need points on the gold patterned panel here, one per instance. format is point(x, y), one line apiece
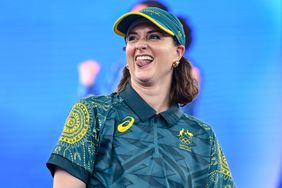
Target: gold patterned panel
point(77, 124)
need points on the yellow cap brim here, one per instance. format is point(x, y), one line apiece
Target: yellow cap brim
point(123, 23)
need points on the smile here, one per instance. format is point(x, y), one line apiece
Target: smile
point(143, 60)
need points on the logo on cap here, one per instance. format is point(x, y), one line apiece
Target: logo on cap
point(151, 11)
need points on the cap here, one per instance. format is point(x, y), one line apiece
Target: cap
point(161, 18)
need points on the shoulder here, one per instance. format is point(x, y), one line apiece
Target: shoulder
point(100, 107)
point(101, 101)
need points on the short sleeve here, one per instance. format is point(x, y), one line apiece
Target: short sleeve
point(219, 172)
point(75, 150)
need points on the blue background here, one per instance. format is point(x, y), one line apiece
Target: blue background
point(237, 45)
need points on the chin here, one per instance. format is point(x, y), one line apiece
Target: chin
point(143, 79)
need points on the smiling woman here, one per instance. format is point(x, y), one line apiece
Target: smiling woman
point(150, 55)
point(138, 136)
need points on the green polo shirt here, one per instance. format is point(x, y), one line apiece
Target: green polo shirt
point(118, 140)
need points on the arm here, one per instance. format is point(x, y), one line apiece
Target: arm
point(62, 179)
point(219, 172)
point(75, 152)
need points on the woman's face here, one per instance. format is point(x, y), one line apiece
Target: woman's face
point(150, 53)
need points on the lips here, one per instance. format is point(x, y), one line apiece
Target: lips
point(143, 60)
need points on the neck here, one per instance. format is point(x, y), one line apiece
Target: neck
point(156, 96)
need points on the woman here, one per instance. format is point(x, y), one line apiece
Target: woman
point(138, 136)
point(89, 70)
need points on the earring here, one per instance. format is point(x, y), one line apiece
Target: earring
point(175, 64)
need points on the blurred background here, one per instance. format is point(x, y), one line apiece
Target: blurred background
point(236, 45)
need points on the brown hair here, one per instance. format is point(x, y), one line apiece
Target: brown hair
point(184, 88)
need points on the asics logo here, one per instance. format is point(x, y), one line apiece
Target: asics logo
point(126, 124)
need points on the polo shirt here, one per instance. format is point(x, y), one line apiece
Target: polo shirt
point(118, 140)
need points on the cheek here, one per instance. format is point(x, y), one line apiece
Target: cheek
point(167, 54)
point(129, 53)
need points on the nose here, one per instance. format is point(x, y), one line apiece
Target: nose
point(141, 45)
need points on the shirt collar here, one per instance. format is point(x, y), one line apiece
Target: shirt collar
point(172, 115)
point(145, 111)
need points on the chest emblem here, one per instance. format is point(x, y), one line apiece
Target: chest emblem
point(126, 124)
point(185, 138)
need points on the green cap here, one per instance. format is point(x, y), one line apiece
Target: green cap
point(161, 18)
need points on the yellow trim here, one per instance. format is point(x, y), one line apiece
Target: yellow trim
point(143, 15)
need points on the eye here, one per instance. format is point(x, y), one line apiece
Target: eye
point(131, 38)
point(154, 37)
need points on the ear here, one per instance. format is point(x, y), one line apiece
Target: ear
point(180, 50)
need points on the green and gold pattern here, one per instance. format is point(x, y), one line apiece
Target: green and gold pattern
point(219, 171)
point(143, 153)
point(224, 169)
point(77, 124)
point(80, 137)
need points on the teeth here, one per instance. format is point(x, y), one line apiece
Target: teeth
point(144, 58)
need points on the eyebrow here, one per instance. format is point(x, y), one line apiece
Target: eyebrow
point(149, 32)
